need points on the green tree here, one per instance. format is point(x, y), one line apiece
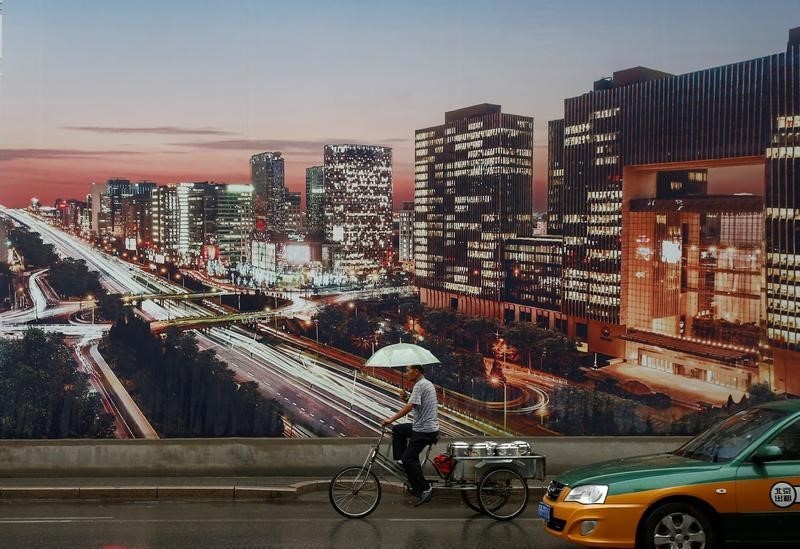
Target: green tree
point(42, 393)
point(186, 392)
point(481, 330)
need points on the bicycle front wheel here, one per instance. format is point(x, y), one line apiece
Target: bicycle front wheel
point(355, 492)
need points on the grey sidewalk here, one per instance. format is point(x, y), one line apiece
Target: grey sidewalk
point(179, 488)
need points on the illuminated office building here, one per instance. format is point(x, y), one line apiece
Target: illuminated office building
point(315, 201)
point(269, 192)
point(472, 190)
point(555, 176)
point(693, 286)
point(294, 215)
point(532, 268)
point(645, 134)
point(231, 219)
point(405, 235)
point(180, 221)
point(358, 203)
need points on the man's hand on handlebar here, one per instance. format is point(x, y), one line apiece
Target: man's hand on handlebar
point(386, 422)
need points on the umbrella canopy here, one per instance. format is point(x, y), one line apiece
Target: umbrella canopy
point(401, 354)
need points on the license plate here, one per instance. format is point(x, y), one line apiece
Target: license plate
point(545, 512)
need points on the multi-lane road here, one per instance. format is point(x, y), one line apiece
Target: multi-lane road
point(319, 396)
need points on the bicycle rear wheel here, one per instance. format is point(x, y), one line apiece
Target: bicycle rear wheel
point(355, 492)
point(502, 493)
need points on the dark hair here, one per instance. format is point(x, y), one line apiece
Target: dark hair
point(417, 367)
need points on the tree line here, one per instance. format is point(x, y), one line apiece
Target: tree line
point(183, 391)
point(42, 393)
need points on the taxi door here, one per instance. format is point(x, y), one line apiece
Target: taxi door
point(768, 493)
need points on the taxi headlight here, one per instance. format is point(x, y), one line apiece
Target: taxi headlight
point(588, 494)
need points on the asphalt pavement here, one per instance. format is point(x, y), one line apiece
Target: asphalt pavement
point(308, 521)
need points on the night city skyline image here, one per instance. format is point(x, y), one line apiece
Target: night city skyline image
point(214, 214)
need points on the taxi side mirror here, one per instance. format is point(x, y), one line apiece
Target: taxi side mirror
point(768, 453)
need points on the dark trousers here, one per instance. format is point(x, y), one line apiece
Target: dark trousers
point(407, 446)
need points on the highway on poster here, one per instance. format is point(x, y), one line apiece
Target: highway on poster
point(319, 396)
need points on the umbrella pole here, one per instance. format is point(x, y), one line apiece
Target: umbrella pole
point(353, 395)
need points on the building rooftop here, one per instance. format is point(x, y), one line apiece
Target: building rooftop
point(471, 112)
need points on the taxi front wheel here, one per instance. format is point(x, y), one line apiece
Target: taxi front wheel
point(678, 525)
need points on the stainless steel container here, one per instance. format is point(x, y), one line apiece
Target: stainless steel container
point(479, 449)
point(507, 449)
point(490, 446)
point(458, 449)
point(523, 447)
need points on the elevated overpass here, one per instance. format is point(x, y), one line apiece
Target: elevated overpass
point(192, 322)
point(184, 296)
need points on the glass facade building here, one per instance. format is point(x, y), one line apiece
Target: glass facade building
point(232, 216)
point(358, 203)
point(315, 200)
point(473, 183)
point(533, 275)
point(618, 137)
point(269, 196)
point(405, 235)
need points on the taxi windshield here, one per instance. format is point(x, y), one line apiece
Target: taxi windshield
point(725, 440)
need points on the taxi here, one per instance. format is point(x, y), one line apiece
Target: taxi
point(739, 481)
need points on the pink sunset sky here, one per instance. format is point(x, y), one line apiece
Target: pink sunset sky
point(188, 91)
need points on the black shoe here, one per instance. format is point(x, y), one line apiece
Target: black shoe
point(425, 497)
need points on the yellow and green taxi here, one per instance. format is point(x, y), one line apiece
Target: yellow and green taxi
point(737, 482)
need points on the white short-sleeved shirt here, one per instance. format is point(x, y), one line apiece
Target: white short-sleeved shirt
point(423, 398)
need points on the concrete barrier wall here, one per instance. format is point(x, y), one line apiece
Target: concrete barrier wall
point(268, 457)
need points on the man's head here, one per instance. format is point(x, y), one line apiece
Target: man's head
point(414, 372)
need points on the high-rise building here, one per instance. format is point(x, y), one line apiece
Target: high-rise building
point(179, 217)
point(269, 192)
point(555, 176)
point(118, 190)
point(405, 240)
point(533, 280)
point(645, 134)
point(294, 215)
point(315, 200)
point(101, 215)
point(232, 222)
point(358, 203)
point(137, 218)
point(473, 188)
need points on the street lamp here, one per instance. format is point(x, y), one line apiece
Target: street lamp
point(179, 277)
point(495, 381)
point(91, 298)
point(354, 306)
point(316, 325)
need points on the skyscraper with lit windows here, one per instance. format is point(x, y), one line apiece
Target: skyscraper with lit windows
point(358, 204)
point(473, 186)
point(269, 192)
point(642, 142)
point(315, 200)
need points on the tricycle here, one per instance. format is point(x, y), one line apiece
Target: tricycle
point(492, 478)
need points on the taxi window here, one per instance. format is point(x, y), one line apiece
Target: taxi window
point(725, 440)
point(788, 441)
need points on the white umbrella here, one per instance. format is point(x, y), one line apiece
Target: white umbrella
point(399, 354)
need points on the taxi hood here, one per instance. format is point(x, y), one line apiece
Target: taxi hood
point(641, 472)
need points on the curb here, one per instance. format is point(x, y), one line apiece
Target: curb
point(162, 493)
